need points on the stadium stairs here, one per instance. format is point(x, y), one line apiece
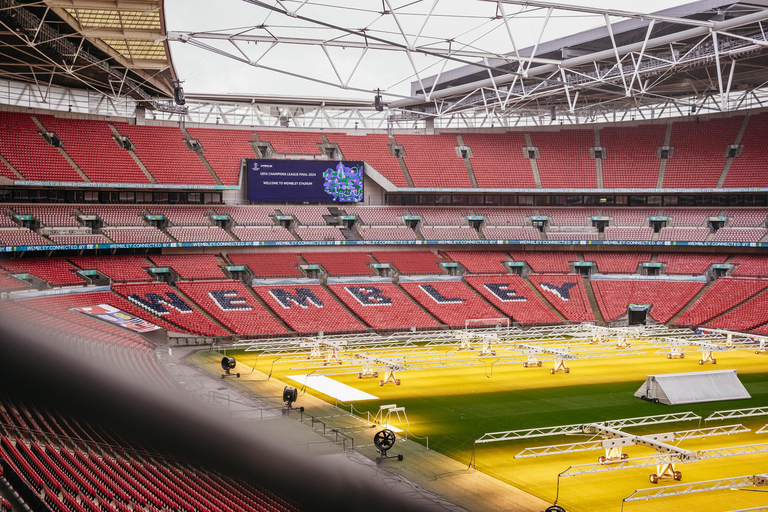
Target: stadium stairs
point(197, 148)
point(690, 303)
point(592, 300)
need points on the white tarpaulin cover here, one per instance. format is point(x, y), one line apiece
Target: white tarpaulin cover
point(693, 387)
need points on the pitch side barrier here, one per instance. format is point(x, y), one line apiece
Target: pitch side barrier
point(330, 243)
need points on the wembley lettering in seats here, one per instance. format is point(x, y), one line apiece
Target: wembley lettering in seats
point(369, 295)
point(563, 291)
point(157, 304)
point(503, 293)
point(228, 300)
point(438, 297)
point(303, 297)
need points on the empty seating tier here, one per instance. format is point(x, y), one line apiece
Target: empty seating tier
point(121, 269)
point(432, 161)
point(504, 216)
point(639, 234)
point(683, 234)
point(749, 168)
point(308, 309)
point(617, 262)
point(192, 235)
point(158, 300)
point(386, 233)
point(748, 265)
point(224, 150)
point(191, 266)
point(87, 239)
point(411, 262)
point(136, 235)
point(499, 160)
point(665, 297)
point(746, 235)
point(377, 215)
point(248, 215)
point(569, 216)
point(293, 143)
point(55, 271)
point(564, 160)
point(749, 315)
point(510, 233)
point(572, 235)
point(383, 306)
point(273, 234)
point(117, 215)
point(566, 293)
point(438, 216)
point(341, 263)
point(480, 262)
point(269, 264)
point(21, 237)
point(541, 262)
point(307, 215)
point(319, 233)
point(50, 214)
point(630, 216)
point(689, 263)
point(721, 296)
point(512, 295)
point(232, 304)
point(631, 159)
point(450, 233)
point(747, 217)
point(372, 148)
point(453, 303)
point(183, 215)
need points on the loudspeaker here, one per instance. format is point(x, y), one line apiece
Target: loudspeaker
point(178, 95)
point(377, 103)
point(553, 112)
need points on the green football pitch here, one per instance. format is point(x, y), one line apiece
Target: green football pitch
point(455, 406)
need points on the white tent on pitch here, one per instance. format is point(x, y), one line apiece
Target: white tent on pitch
point(693, 387)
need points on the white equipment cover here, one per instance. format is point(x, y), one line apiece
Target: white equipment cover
point(693, 387)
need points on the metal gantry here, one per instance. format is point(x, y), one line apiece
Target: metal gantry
point(748, 481)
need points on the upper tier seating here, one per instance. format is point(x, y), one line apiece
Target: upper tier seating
point(23, 146)
point(449, 233)
point(232, 304)
point(158, 300)
point(699, 152)
point(191, 266)
point(6, 221)
point(293, 142)
point(564, 158)
point(631, 159)
point(747, 217)
point(386, 233)
point(377, 215)
point(432, 161)
point(90, 144)
point(274, 234)
point(308, 309)
point(269, 264)
point(544, 262)
point(749, 168)
point(439, 216)
point(319, 233)
point(504, 216)
point(617, 262)
point(21, 237)
point(480, 262)
point(248, 215)
point(690, 217)
point(121, 269)
point(211, 234)
point(453, 302)
point(411, 262)
point(749, 315)
point(183, 215)
point(498, 160)
point(383, 306)
point(374, 149)
point(50, 214)
point(666, 297)
point(136, 235)
point(683, 234)
point(569, 216)
point(116, 215)
point(722, 295)
point(566, 293)
point(739, 235)
point(224, 150)
point(163, 151)
point(749, 265)
point(511, 233)
point(511, 294)
point(341, 263)
point(55, 271)
point(630, 216)
point(628, 233)
point(689, 263)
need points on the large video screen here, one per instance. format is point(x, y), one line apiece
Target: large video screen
point(310, 181)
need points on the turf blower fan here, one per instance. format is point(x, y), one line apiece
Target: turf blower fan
point(384, 440)
point(227, 364)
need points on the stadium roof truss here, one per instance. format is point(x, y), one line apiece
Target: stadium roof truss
point(706, 57)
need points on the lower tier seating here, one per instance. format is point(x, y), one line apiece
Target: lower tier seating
point(121, 269)
point(341, 263)
point(269, 264)
point(749, 265)
point(383, 306)
point(748, 316)
point(55, 271)
point(665, 297)
point(541, 262)
point(617, 262)
point(411, 262)
point(566, 293)
point(453, 302)
point(480, 262)
point(721, 296)
point(689, 263)
point(512, 295)
point(191, 266)
point(308, 309)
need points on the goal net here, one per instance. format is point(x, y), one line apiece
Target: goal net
point(498, 324)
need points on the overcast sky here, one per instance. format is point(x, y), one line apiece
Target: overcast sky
point(469, 23)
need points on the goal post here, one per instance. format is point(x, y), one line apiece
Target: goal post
point(498, 324)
